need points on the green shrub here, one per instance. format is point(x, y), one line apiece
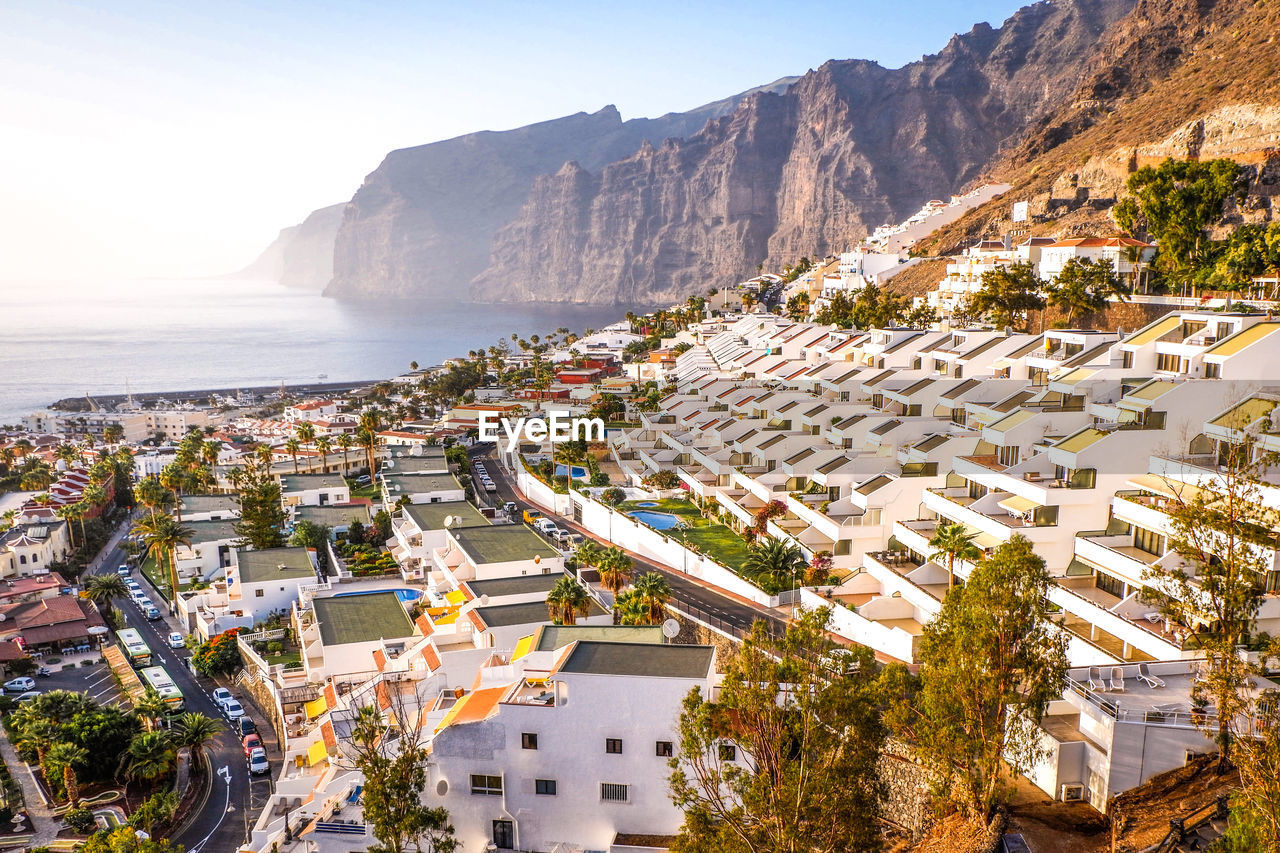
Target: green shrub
point(81, 821)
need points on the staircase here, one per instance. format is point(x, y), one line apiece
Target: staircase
point(1195, 832)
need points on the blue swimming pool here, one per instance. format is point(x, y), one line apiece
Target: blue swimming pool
point(656, 520)
point(579, 473)
point(647, 503)
point(405, 595)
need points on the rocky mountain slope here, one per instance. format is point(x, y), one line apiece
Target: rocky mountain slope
point(805, 171)
point(302, 254)
point(422, 223)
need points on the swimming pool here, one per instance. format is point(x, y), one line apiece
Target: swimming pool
point(579, 473)
point(656, 520)
point(405, 595)
point(648, 503)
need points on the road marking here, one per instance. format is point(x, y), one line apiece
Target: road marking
point(225, 773)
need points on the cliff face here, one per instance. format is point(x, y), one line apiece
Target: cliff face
point(302, 254)
point(805, 171)
point(422, 223)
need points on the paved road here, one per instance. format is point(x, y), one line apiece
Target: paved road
point(223, 821)
point(688, 594)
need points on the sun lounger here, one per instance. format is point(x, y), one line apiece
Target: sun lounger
point(1095, 679)
point(1145, 676)
point(1117, 679)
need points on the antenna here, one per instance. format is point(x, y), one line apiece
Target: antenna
point(671, 629)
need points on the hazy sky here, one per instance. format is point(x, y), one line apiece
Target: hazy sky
point(176, 139)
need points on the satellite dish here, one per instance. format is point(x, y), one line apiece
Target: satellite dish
point(484, 600)
point(442, 787)
point(448, 521)
point(671, 629)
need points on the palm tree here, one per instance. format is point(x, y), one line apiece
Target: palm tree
point(345, 442)
point(775, 561)
point(112, 433)
point(293, 446)
point(265, 455)
point(37, 735)
point(195, 731)
point(67, 453)
point(588, 553)
point(324, 444)
point(654, 593)
point(63, 756)
point(566, 601)
point(615, 569)
point(368, 439)
point(306, 433)
point(151, 494)
point(163, 534)
point(70, 513)
point(150, 707)
point(954, 543)
point(103, 589)
point(150, 756)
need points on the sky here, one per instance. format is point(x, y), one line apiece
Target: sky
point(162, 139)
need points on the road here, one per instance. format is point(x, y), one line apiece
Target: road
point(688, 594)
point(223, 820)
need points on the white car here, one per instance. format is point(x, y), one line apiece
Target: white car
point(221, 696)
point(258, 763)
point(145, 604)
point(176, 641)
point(18, 685)
point(233, 710)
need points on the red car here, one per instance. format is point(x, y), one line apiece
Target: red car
point(251, 742)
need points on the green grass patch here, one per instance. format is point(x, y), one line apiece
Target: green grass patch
point(675, 506)
point(370, 491)
point(159, 579)
point(715, 540)
point(288, 657)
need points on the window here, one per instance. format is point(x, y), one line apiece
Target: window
point(529, 740)
point(257, 593)
point(504, 834)
point(663, 749)
point(544, 787)
point(1149, 541)
point(728, 752)
point(22, 558)
point(613, 793)
point(487, 785)
point(1212, 370)
point(1008, 455)
point(1169, 363)
point(1107, 583)
point(1126, 358)
point(613, 745)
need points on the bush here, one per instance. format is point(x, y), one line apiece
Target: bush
point(81, 821)
point(275, 647)
point(219, 656)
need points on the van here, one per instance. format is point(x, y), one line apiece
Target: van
point(545, 526)
point(531, 516)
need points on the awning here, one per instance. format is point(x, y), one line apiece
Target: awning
point(317, 753)
point(523, 645)
point(456, 596)
point(1169, 488)
point(1017, 505)
point(316, 707)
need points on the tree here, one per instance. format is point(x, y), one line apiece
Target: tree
point(309, 534)
point(124, 839)
point(150, 757)
point(345, 443)
point(150, 708)
point(103, 589)
point(394, 779)
point(991, 662)
point(567, 600)
point(162, 535)
point(152, 495)
point(774, 565)
point(951, 542)
point(1008, 293)
point(1224, 534)
point(219, 656)
point(663, 479)
point(194, 732)
point(1085, 285)
point(613, 496)
point(292, 446)
point(324, 445)
point(798, 307)
point(262, 515)
point(615, 567)
point(62, 758)
point(785, 759)
point(156, 810)
point(653, 592)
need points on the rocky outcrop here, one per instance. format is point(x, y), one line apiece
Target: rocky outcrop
point(302, 255)
point(423, 221)
point(804, 171)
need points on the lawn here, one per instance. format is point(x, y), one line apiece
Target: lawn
point(711, 538)
point(158, 578)
point(370, 491)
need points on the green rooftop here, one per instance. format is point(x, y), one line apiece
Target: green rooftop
point(362, 618)
point(334, 515)
point(502, 543)
point(528, 613)
point(640, 659)
point(523, 585)
point(432, 516)
point(1244, 413)
point(211, 531)
point(416, 484)
point(551, 637)
point(1078, 441)
point(309, 482)
point(274, 564)
point(199, 504)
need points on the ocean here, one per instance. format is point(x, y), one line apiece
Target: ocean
point(64, 340)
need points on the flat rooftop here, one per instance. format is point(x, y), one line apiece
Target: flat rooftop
point(409, 484)
point(529, 613)
point(334, 515)
point(551, 637)
point(499, 587)
point(432, 516)
point(274, 564)
point(362, 618)
point(502, 543)
point(415, 465)
point(639, 659)
point(307, 482)
point(211, 531)
point(209, 503)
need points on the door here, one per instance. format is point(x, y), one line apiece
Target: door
point(504, 834)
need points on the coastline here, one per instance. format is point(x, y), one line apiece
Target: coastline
point(81, 403)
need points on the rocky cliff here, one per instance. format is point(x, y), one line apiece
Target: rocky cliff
point(423, 221)
point(302, 254)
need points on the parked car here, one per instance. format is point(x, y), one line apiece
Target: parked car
point(28, 696)
point(571, 540)
point(17, 685)
point(363, 480)
point(545, 526)
point(250, 742)
point(233, 709)
point(137, 595)
point(258, 763)
point(151, 613)
point(124, 571)
point(509, 508)
point(221, 696)
point(247, 726)
point(44, 672)
point(175, 640)
point(531, 515)
point(144, 603)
